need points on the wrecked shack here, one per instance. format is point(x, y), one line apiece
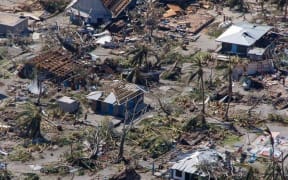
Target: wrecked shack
point(117, 99)
point(11, 23)
point(191, 166)
point(58, 67)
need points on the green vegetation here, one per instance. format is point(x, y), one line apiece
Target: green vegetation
point(277, 118)
point(20, 154)
point(230, 139)
point(5, 175)
point(54, 5)
point(156, 135)
point(214, 30)
point(61, 170)
point(31, 176)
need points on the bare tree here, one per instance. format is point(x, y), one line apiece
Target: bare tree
point(129, 118)
point(230, 90)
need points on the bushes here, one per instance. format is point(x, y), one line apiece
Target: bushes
point(54, 5)
point(20, 154)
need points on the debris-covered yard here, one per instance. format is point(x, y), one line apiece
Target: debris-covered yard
point(140, 89)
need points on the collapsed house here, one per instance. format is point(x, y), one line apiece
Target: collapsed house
point(118, 99)
point(198, 164)
point(12, 24)
point(191, 23)
point(96, 11)
point(56, 66)
point(248, 40)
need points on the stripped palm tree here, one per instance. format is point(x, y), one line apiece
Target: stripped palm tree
point(29, 120)
point(140, 57)
point(198, 63)
point(228, 74)
point(141, 64)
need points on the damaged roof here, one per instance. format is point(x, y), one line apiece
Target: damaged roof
point(86, 7)
point(117, 92)
point(245, 34)
point(66, 99)
point(116, 6)
point(191, 162)
point(55, 62)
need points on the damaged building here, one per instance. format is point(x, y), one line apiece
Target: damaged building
point(191, 165)
point(252, 41)
point(117, 99)
point(96, 11)
point(12, 24)
point(58, 67)
point(248, 40)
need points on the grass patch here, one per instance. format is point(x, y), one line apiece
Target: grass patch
point(230, 139)
point(20, 154)
point(31, 176)
point(277, 118)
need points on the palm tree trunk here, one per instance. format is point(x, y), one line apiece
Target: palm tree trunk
point(39, 84)
point(120, 156)
point(286, 9)
point(121, 147)
point(95, 151)
point(203, 94)
point(229, 94)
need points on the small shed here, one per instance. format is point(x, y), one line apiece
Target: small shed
point(117, 98)
point(68, 104)
point(12, 23)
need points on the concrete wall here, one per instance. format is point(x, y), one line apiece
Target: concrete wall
point(70, 108)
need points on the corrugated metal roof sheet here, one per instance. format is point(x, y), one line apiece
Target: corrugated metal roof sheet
point(190, 164)
point(94, 95)
point(110, 99)
point(66, 99)
point(245, 34)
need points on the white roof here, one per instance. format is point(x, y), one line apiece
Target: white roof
point(9, 19)
point(66, 99)
point(190, 163)
point(71, 4)
point(94, 95)
point(243, 34)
